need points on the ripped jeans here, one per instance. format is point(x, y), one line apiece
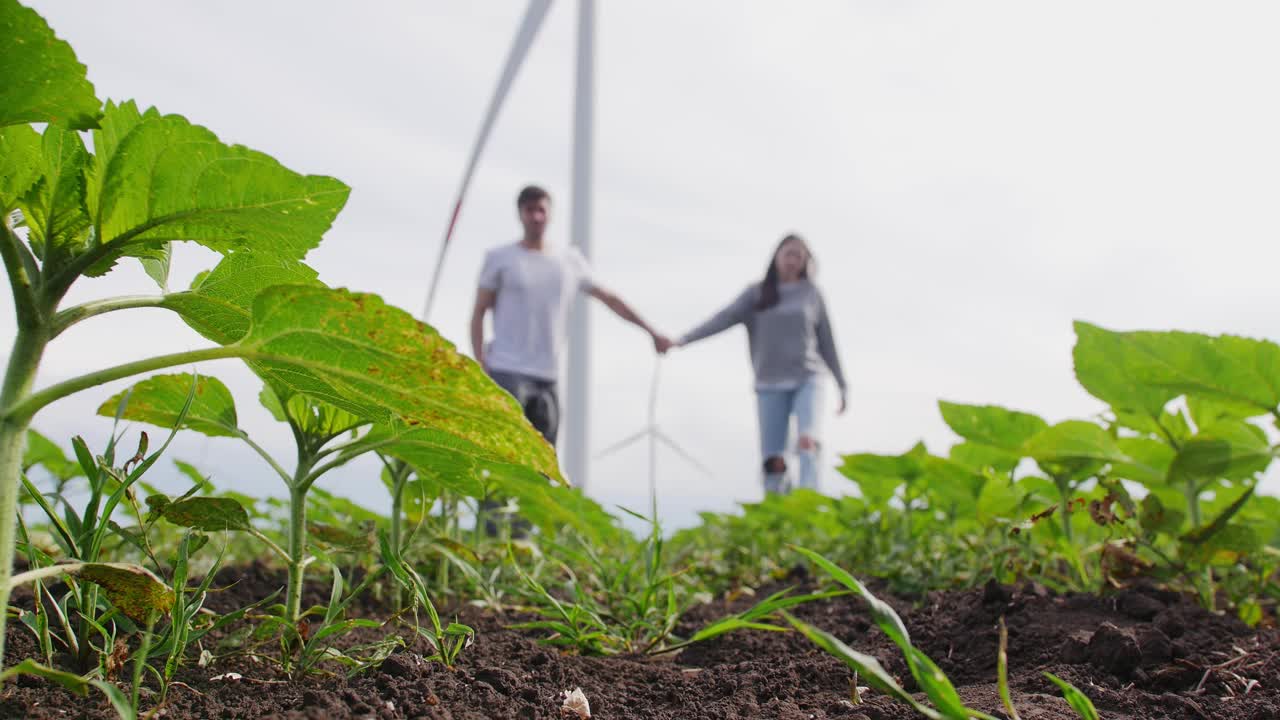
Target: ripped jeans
point(776, 407)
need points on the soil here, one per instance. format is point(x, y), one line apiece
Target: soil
point(1139, 653)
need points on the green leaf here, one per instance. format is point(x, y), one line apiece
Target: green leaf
point(21, 156)
point(552, 507)
point(157, 266)
point(326, 506)
point(315, 419)
point(1150, 464)
point(1250, 613)
point(1228, 368)
point(218, 305)
point(880, 476)
point(132, 589)
point(1075, 440)
point(1076, 699)
point(44, 452)
point(373, 360)
point(1201, 534)
point(978, 457)
point(116, 124)
point(952, 484)
point(1228, 545)
point(1155, 516)
point(57, 216)
point(340, 538)
point(40, 78)
point(1207, 411)
point(992, 425)
point(438, 457)
point(211, 514)
point(159, 401)
point(999, 498)
point(1232, 449)
point(193, 474)
point(171, 180)
point(1107, 365)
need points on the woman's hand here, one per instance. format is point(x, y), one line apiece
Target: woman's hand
point(662, 343)
point(844, 405)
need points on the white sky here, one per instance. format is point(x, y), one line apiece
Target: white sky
point(972, 176)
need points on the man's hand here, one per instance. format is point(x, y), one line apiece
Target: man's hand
point(662, 343)
point(485, 300)
point(844, 405)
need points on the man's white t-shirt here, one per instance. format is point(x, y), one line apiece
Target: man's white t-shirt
point(535, 290)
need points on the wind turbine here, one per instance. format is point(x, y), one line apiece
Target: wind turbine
point(655, 435)
point(577, 418)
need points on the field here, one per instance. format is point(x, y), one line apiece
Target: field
point(1118, 566)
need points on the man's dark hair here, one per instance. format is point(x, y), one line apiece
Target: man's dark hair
point(531, 194)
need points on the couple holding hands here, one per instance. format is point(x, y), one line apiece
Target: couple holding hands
point(529, 286)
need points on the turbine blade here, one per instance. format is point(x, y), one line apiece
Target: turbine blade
point(684, 454)
point(629, 440)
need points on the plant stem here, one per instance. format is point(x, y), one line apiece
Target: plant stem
point(297, 556)
point(75, 314)
point(1193, 501)
point(28, 348)
point(25, 304)
point(262, 453)
point(25, 407)
point(271, 545)
point(1064, 489)
point(297, 553)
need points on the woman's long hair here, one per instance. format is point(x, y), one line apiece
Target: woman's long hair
point(769, 294)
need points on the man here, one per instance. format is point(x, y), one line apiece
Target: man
point(530, 287)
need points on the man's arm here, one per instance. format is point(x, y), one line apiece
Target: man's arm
point(661, 342)
point(485, 299)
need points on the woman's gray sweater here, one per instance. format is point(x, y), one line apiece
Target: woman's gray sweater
point(789, 342)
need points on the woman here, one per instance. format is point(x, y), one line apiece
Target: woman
point(791, 342)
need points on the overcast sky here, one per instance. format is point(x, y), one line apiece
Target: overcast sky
point(972, 177)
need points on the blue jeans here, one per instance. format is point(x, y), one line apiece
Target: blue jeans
point(776, 407)
point(541, 407)
point(537, 397)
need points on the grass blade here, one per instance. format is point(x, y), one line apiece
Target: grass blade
point(1002, 672)
point(866, 666)
point(884, 616)
point(1075, 698)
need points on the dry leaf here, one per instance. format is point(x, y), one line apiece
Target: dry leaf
point(575, 704)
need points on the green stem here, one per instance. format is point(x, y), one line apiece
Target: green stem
point(1193, 501)
point(21, 283)
point(271, 545)
point(447, 513)
point(297, 554)
point(75, 314)
point(397, 501)
point(25, 407)
point(297, 550)
point(262, 453)
point(1064, 490)
point(28, 349)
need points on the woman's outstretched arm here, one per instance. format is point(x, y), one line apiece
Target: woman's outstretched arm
point(737, 311)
